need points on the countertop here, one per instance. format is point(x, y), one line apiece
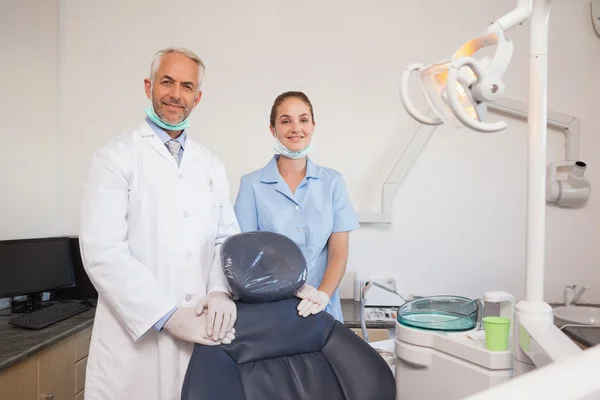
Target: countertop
point(17, 344)
point(586, 336)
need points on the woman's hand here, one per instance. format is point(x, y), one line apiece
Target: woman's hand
point(313, 301)
point(308, 292)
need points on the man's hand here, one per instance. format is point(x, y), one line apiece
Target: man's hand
point(185, 325)
point(221, 314)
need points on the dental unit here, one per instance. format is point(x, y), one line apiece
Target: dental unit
point(457, 90)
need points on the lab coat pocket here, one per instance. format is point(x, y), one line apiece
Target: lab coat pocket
point(214, 212)
point(207, 203)
point(321, 226)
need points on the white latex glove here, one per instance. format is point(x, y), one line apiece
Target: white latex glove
point(308, 307)
point(185, 325)
point(308, 292)
point(221, 314)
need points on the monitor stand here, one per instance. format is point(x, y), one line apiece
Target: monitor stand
point(31, 303)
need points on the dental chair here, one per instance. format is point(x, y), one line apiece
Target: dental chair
point(278, 354)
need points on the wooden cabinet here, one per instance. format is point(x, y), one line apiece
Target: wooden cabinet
point(56, 373)
point(20, 380)
point(82, 346)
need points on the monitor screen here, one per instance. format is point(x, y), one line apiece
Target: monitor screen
point(30, 266)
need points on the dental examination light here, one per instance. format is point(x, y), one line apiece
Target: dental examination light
point(457, 89)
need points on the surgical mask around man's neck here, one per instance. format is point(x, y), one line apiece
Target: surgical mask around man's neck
point(295, 155)
point(170, 127)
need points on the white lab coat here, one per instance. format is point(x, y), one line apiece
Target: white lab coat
point(150, 237)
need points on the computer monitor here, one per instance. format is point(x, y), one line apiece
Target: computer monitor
point(32, 266)
point(83, 289)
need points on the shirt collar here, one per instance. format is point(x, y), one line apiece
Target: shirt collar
point(271, 174)
point(164, 136)
point(312, 170)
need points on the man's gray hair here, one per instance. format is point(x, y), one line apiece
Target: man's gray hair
point(179, 50)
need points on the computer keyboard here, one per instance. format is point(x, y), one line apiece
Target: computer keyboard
point(49, 315)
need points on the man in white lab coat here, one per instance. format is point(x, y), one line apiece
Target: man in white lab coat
point(155, 212)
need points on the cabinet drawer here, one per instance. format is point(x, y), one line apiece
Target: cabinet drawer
point(56, 371)
point(80, 367)
point(82, 343)
point(19, 382)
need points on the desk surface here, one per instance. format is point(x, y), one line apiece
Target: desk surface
point(17, 344)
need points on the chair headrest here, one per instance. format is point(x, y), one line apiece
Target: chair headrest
point(262, 266)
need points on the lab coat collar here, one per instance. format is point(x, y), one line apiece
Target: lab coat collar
point(270, 173)
point(190, 154)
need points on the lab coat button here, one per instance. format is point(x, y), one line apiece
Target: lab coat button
point(186, 214)
point(188, 297)
point(187, 256)
point(300, 229)
point(297, 207)
point(180, 176)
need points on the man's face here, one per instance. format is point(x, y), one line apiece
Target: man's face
point(174, 91)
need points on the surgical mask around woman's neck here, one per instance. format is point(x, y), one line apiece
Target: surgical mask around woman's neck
point(295, 155)
point(170, 127)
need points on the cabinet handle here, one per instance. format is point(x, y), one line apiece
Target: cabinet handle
point(50, 396)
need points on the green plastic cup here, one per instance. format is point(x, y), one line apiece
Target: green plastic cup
point(496, 333)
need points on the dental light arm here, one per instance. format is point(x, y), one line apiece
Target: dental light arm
point(516, 16)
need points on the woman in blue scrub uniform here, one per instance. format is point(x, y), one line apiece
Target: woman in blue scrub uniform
point(308, 203)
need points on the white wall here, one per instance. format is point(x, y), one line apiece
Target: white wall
point(29, 154)
point(459, 217)
point(28, 111)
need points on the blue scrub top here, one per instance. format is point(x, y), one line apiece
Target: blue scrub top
point(319, 207)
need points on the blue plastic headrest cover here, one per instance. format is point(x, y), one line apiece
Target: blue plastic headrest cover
point(263, 266)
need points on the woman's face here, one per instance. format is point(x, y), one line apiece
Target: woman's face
point(294, 125)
